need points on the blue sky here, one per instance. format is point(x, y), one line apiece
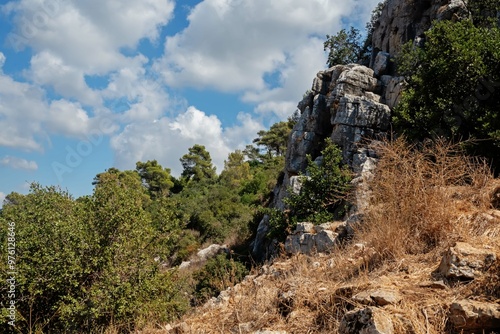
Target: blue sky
point(89, 85)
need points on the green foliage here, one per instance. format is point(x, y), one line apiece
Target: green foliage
point(343, 48)
point(155, 178)
point(197, 164)
point(275, 139)
point(322, 197)
point(83, 264)
point(484, 12)
point(236, 170)
point(453, 86)
point(218, 274)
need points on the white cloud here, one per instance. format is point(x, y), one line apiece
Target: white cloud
point(231, 45)
point(167, 140)
point(88, 34)
point(2, 198)
point(28, 119)
point(2, 60)
point(18, 163)
point(48, 69)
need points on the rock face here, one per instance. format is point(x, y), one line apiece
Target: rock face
point(481, 317)
point(465, 262)
point(346, 104)
point(351, 104)
point(369, 320)
point(308, 238)
point(405, 20)
point(203, 255)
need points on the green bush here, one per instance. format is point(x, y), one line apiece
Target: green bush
point(83, 265)
point(453, 87)
point(322, 198)
point(218, 274)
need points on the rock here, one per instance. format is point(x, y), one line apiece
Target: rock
point(203, 255)
point(265, 331)
point(305, 228)
point(361, 112)
point(296, 183)
point(379, 297)
point(211, 251)
point(465, 262)
point(325, 241)
point(369, 320)
point(438, 285)
point(404, 20)
point(382, 63)
point(308, 238)
point(394, 90)
point(468, 315)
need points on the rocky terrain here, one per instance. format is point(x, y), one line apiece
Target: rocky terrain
point(318, 282)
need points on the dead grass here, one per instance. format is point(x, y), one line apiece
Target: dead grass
point(422, 201)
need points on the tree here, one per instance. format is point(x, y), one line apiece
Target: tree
point(453, 85)
point(155, 178)
point(236, 170)
point(197, 164)
point(275, 139)
point(343, 48)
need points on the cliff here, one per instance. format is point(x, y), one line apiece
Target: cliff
point(351, 104)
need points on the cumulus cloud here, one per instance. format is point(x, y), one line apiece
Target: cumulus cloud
point(231, 45)
point(87, 35)
point(167, 139)
point(2, 198)
point(18, 163)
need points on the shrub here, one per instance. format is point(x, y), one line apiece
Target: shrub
point(218, 274)
point(453, 85)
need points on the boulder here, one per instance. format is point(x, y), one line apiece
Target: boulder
point(382, 63)
point(469, 315)
point(308, 238)
point(379, 297)
point(465, 262)
point(369, 320)
point(394, 90)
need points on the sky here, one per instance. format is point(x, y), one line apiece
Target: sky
point(90, 85)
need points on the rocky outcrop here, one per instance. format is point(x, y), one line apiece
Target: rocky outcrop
point(309, 238)
point(347, 104)
point(378, 297)
point(464, 262)
point(369, 320)
point(203, 255)
point(406, 20)
point(470, 316)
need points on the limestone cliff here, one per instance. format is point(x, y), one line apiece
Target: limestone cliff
point(352, 104)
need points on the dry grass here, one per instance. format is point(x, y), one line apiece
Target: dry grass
point(422, 201)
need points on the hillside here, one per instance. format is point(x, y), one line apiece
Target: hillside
point(374, 208)
point(417, 251)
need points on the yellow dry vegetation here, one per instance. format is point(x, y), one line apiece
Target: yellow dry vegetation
point(423, 200)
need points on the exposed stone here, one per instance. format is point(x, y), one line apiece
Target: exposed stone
point(394, 90)
point(469, 315)
point(404, 20)
point(465, 262)
point(362, 112)
point(305, 227)
point(369, 320)
point(265, 331)
point(379, 297)
point(381, 64)
point(438, 285)
point(296, 183)
point(203, 255)
point(308, 238)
